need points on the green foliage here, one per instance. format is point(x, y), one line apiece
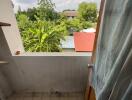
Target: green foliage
point(44, 36)
point(88, 11)
point(31, 13)
point(47, 14)
point(75, 25)
point(23, 22)
point(85, 24)
point(78, 24)
point(39, 29)
point(42, 28)
point(46, 11)
point(46, 3)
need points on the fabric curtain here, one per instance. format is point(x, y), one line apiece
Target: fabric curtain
point(112, 74)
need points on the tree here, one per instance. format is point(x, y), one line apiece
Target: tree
point(32, 13)
point(75, 25)
point(88, 11)
point(23, 21)
point(46, 10)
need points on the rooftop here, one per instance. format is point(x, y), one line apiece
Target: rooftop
point(70, 13)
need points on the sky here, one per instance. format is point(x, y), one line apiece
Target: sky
point(60, 4)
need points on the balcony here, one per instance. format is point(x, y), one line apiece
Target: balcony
point(54, 75)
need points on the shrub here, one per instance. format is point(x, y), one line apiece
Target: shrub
point(43, 36)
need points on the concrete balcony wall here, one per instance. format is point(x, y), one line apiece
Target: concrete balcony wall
point(52, 73)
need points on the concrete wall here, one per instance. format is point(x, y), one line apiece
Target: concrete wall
point(41, 73)
point(11, 33)
point(47, 73)
point(5, 88)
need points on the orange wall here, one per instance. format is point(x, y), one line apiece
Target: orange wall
point(84, 41)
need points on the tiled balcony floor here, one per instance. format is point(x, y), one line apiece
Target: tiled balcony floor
point(45, 96)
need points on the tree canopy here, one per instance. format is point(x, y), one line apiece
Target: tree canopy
point(87, 11)
point(46, 10)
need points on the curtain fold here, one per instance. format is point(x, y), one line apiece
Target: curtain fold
point(111, 78)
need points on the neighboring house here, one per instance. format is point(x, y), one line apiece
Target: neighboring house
point(70, 14)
